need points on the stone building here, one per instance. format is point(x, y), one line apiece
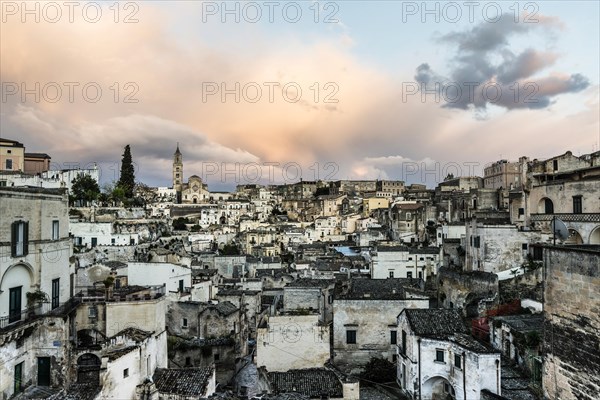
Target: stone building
point(312, 295)
point(35, 249)
point(437, 358)
point(364, 318)
point(292, 342)
point(571, 322)
point(503, 175)
point(404, 262)
point(12, 155)
point(390, 188)
point(192, 192)
point(495, 245)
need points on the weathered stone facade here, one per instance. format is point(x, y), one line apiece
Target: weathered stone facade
point(572, 323)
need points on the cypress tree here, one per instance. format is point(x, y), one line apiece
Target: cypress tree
point(127, 178)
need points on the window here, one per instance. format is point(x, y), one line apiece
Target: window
point(15, 295)
point(538, 253)
point(125, 372)
point(181, 285)
point(217, 356)
point(94, 242)
point(403, 349)
point(55, 292)
point(439, 355)
point(184, 323)
point(92, 312)
point(391, 274)
point(555, 165)
point(188, 361)
point(18, 383)
point(19, 238)
point(524, 246)
point(548, 206)
point(9, 164)
point(55, 232)
point(409, 275)
point(113, 241)
point(521, 211)
point(476, 242)
point(458, 361)
point(577, 205)
point(351, 337)
point(393, 337)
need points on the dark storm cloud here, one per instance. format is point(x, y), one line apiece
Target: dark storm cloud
point(476, 79)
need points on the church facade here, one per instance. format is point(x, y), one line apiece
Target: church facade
point(194, 191)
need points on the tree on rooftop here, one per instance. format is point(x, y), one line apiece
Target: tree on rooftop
point(127, 178)
point(84, 190)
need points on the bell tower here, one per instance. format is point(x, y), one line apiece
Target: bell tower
point(178, 173)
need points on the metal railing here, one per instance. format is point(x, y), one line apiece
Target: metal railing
point(566, 217)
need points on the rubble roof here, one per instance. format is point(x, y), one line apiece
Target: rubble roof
point(183, 381)
point(115, 353)
point(435, 322)
point(311, 283)
point(312, 382)
point(523, 323)
point(379, 289)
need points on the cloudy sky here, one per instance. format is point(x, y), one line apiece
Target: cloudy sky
point(274, 91)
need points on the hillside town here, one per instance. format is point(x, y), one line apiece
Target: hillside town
point(482, 287)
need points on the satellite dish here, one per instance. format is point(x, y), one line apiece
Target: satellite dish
point(559, 229)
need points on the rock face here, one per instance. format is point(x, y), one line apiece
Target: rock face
point(572, 323)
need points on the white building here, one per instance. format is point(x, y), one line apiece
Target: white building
point(34, 248)
point(404, 262)
point(178, 278)
point(437, 358)
point(92, 234)
point(292, 342)
point(364, 319)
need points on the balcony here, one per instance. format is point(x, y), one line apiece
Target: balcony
point(32, 314)
point(566, 217)
point(91, 294)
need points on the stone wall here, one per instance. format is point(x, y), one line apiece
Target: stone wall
point(572, 323)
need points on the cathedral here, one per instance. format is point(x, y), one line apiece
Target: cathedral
point(192, 192)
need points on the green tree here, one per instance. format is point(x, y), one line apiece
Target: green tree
point(379, 370)
point(230, 250)
point(84, 190)
point(118, 194)
point(179, 224)
point(127, 178)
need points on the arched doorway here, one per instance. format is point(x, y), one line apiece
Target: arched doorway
point(545, 206)
point(437, 388)
point(574, 237)
point(88, 368)
point(595, 236)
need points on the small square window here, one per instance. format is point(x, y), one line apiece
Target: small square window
point(125, 372)
point(55, 231)
point(351, 337)
point(458, 361)
point(524, 246)
point(439, 355)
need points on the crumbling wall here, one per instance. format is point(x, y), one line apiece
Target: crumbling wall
point(571, 324)
point(467, 289)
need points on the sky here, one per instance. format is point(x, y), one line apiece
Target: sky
point(273, 92)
